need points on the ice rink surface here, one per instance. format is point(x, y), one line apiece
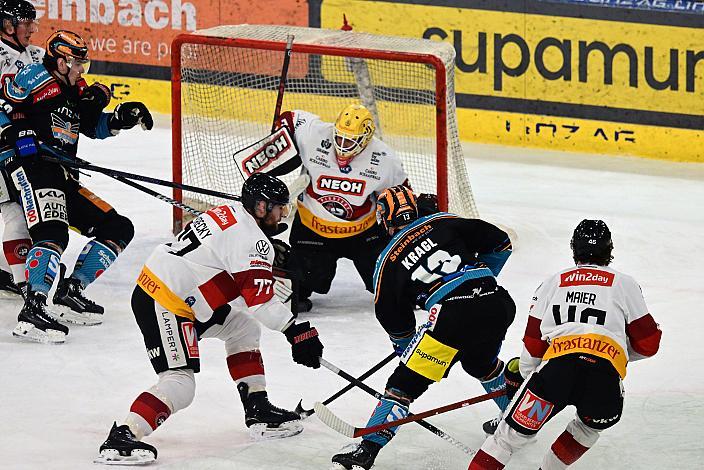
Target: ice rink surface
point(58, 402)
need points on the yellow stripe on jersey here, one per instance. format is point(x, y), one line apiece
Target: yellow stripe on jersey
point(160, 292)
point(596, 345)
point(330, 229)
point(430, 358)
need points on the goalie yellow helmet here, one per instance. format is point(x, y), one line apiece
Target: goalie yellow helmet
point(354, 129)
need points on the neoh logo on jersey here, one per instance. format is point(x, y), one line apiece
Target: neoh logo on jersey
point(532, 411)
point(223, 216)
point(341, 185)
point(586, 277)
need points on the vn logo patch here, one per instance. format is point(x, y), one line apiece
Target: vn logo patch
point(532, 411)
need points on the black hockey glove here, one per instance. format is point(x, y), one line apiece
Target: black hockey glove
point(305, 345)
point(427, 204)
point(127, 115)
point(97, 96)
point(24, 141)
point(281, 252)
point(512, 375)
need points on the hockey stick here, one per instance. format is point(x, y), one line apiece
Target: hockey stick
point(84, 165)
point(282, 81)
point(327, 417)
point(346, 429)
point(306, 413)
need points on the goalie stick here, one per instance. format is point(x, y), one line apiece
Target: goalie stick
point(325, 415)
point(346, 429)
point(282, 81)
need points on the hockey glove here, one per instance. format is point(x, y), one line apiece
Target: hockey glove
point(127, 115)
point(23, 140)
point(513, 377)
point(427, 204)
point(281, 252)
point(305, 345)
point(400, 344)
point(98, 95)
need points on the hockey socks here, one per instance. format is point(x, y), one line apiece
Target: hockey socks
point(42, 266)
point(94, 259)
point(386, 410)
point(497, 383)
point(247, 367)
point(151, 410)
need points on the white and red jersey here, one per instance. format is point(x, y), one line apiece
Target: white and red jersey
point(13, 58)
point(589, 309)
point(221, 257)
point(341, 202)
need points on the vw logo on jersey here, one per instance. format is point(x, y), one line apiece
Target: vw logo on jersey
point(262, 247)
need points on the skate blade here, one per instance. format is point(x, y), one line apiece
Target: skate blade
point(66, 315)
point(25, 330)
point(260, 432)
point(113, 457)
point(339, 466)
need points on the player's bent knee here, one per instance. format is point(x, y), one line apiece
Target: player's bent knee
point(176, 388)
point(51, 232)
point(408, 381)
point(117, 231)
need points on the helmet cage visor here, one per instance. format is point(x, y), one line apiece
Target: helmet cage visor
point(71, 61)
point(349, 145)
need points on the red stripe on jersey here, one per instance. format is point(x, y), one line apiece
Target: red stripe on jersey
point(256, 286)
point(245, 364)
point(644, 335)
point(219, 290)
point(153, 410)
point(532, 339)
point(586, 277)
point(223, 216)
point(567, 449)
point(484, 461)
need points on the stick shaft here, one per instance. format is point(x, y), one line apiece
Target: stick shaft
point(438, 432)
point(282, 81)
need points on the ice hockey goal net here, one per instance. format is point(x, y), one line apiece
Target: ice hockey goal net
point(224, 88)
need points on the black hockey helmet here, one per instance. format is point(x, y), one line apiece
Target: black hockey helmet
point(591, 243)
point(17, 11)
point(396, 206)
point(66, 45)
point(264, 187)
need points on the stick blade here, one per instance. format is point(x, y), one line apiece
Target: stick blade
point(331, 420)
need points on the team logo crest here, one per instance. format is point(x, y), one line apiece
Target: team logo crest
point(65, 131)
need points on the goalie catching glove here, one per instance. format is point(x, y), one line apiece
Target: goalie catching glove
point(127, 115)
point(306, 347)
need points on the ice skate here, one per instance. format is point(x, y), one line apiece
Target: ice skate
point(8, 289)
point(264, 420)
point(70, 305)
point(34, 324)
point(122, 448)
point(360, 458)
point(490, 426)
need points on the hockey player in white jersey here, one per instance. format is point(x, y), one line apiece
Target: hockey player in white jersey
point(215, 281)
point(17, 25)
point(348, 168)
point(585, 324)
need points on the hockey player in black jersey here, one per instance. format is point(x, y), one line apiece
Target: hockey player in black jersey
point(44, 108)
point(446, 265)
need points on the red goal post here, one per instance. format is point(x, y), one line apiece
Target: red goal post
point(224, 83)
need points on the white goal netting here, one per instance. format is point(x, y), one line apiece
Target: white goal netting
point(226, 86)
